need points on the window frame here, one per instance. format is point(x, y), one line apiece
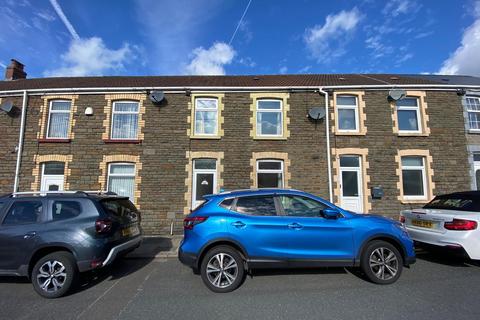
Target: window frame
point(134, 175)
point(283, 213)
point(58, 176)
point(125, 112)
point(469, 111)
point(216, 109)
point(424, 178)
point(281, 170)
point(410, 108)
point(50, 111)
point(8, 206)
point(50, 207)
point(258, 110)
point(348, 107)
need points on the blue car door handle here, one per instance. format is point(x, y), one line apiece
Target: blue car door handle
point(238, 224)
point(295, 226)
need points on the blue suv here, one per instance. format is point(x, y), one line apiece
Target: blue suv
point(236, 231)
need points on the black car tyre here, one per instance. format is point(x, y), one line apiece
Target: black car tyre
point(381, 262)
point(54, 274)
point(222, 269)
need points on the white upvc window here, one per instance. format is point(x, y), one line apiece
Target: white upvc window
point(121, 179)
point(270, 174)
point(206, 116)
point(414, 179)
point(408, 115)
point(269, 116)
point(473, 109)
point(347, 112)
point(124, 120)
point(58, 119)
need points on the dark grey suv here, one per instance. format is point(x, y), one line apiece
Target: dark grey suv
point(50, 237)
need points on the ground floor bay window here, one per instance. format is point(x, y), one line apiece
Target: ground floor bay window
point(121, 179)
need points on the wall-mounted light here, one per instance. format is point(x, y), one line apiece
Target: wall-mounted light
point(89, 111)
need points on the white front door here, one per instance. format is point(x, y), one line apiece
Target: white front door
point(52, 183)
point(204, 180)
point(476, 177)
point(351, 191)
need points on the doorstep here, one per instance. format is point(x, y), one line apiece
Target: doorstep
point(157, 247)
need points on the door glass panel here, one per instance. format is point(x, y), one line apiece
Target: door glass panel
point(53, 168)
point(350, 183)
point(259, 206)
point(205, 164)
point(204, 185)
point(24, 212)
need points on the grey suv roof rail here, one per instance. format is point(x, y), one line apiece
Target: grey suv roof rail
point(71, 192)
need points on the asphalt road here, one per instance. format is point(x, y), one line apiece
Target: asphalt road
point(436, 287)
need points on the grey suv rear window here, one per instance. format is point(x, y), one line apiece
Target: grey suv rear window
point(23, 212)
point(118, 207)
point(62, 209)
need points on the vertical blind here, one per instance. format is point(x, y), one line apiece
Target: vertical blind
point(59, 119)
point(121, 179)
point(125, 120)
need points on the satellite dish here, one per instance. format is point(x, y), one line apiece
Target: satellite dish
point(156, 96)
point(316, 113)
point(7, 106)
point(396, 94)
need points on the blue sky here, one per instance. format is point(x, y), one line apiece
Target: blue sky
point(148, 37)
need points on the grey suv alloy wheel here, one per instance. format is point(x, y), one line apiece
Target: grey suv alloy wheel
point(54, 274)
point(222, 269)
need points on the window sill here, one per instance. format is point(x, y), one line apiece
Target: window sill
point(206, 137)
point(51, 140)
point(269, 138)
point(108, 141)
point(353, 133)
point(412, 134)
point(473, 131)
point(414, 201)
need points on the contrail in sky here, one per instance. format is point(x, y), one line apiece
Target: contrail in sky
point(240, 22)
point(64, 19)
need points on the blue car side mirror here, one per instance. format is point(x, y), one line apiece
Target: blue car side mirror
point(330, 213)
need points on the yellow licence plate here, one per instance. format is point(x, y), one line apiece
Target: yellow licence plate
point(422, 223)
point(130, 231)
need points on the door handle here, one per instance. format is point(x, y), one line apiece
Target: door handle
point(30, 235)
point(295, 226)
point(238, 224)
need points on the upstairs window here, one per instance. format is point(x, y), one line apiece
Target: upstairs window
point(125, 120)
point(347, 109)
point(58, 119)
point(473, 108)
point(270, 174)
point(206, 116)
point(414, 178)
point(269, 118)
point(408, 113)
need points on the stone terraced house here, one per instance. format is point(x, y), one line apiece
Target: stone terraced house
point(385, 143)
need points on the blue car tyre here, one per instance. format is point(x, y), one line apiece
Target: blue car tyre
point(222, 269)
point(381, 262)
point(54, 274)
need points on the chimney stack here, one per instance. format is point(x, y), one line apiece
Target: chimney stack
point(15, 71)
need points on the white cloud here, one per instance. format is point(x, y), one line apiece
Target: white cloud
point(90, 57)
point(210, 61)
point(379, 49)
point(327, 42)
point(3, 65)
point(465, 60)
point(283, 70)
point(396, 7)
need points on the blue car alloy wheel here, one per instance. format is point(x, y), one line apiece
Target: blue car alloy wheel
point(233, 232)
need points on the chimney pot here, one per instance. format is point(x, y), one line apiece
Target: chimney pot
point(15, 71)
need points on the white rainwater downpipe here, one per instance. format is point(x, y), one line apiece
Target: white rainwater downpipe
point(329, 157)
point(20, 141)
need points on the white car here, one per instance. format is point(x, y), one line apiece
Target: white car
point(450, 221)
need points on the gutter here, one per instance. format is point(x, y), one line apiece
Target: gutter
point(20, 141)
point(256, 88)
point(327, 133)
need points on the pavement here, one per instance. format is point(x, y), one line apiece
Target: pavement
point(157, 247)
point(437, 287)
